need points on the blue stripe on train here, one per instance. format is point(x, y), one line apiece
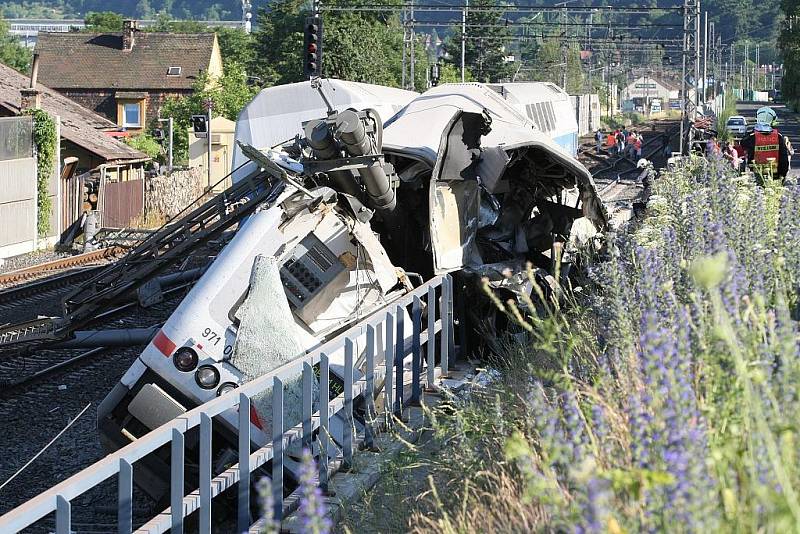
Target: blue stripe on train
point(568, 142)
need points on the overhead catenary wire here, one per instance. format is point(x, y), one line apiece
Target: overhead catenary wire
point(35, 456)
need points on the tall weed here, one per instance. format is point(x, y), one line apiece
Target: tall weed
point(663, 399)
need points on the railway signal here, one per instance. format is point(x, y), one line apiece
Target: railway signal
point(200, 124)
point(312, 47)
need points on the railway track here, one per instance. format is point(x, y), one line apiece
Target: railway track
point(79, 260)
point(45, 288)
point(651, 149)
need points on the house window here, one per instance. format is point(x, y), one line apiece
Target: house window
point(174, 71)
point(132, 114)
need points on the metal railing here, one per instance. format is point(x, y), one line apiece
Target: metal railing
point(435, 297)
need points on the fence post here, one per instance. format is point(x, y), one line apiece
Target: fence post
point(398, 363)
point(277, 448)
point(416, 352)
point(63, 515)
point(444, 314)
point(176, 481)
point(369, 419)
point(308, 400)
point(243, 505)
point(451, 339)
point(324, 403)
point(347, 431)
point(388, 362)
point(205, 474)
point(430, 345)
point(125, 494)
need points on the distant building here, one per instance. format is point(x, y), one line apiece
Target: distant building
point(84, 135)
point(126, 76)
point(649, 87)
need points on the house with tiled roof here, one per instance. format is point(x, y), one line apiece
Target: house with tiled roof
point(84, 134)
point(126, 77)
point(87, 144)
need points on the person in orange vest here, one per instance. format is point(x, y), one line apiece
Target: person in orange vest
point(765, 148)
point(611, 142)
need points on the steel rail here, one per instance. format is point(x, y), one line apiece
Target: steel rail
point(14, 294)
point(63, 263)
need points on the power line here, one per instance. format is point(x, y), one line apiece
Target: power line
point(429, 8)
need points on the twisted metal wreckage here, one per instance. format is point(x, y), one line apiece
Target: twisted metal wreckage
point(457, 181)
point(357, 212)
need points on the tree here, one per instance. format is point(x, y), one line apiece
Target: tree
point(789, 44)
point(235, 45)
point(548, 64)
point(485, 47)
point(449, 73)
point(278, 42)
point(358, 46)
point(229, 94)
point(105, 21)
point(12, 53)
point(146, 143)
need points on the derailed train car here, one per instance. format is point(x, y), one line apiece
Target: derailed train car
point(457, 181)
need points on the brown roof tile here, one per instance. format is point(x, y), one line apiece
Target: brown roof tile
point(97, 61)
point(78, 124)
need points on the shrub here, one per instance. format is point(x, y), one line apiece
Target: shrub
point(663, 399)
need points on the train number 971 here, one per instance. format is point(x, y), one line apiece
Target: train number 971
point(211, 336)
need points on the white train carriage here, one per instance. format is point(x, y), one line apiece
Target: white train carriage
point(465, 182)
point(547, 106)
point(333, 271)
point(276, 114)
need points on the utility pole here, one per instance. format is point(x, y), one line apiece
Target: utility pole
point(564, 56)
point(246, 16)
point(690, 60)
point(404, 17)
point(209, 106)
point(758, 67)
point(463, 37)
point(745, 68)
point(697, 54)
point(413, 43)
point(705, 56)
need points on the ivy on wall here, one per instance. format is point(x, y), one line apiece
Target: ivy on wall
point(44, 138)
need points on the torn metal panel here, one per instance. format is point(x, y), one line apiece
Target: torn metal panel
point(454, 214)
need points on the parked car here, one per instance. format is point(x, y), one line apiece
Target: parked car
point(737, 125)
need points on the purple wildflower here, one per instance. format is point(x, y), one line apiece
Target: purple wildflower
point(268, 523)
point(312, 511)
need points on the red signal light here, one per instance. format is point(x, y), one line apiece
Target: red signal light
point(312, 47)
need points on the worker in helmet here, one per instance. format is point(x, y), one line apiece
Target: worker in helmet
point(765, 147)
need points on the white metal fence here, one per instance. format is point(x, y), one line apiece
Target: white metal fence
point(432, 300)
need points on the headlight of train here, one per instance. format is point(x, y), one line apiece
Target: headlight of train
point(227, 387)
point(207, 377)
point(185, 359)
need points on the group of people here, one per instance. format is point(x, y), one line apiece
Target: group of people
point(765, 148)
point(727, 150)
point(622, 142)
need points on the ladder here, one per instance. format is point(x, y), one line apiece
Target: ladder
point(165, 247)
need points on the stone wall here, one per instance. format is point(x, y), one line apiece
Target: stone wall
point(166, 195)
